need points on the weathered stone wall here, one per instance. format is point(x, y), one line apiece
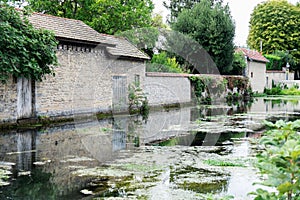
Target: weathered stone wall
point(277, 77)
point(8, 101)
point(165, 88)
point(291, 83)
point(83, 83)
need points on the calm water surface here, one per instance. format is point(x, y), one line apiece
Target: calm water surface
point(39, 163)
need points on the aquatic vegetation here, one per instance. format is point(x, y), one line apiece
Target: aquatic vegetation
point(279, 161)
point(4, 176)
point(223, 163)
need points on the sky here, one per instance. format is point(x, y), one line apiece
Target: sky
point(240, 11)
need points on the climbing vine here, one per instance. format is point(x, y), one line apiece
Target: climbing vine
point(137, 100)
point(206, 86)
point(24, 50)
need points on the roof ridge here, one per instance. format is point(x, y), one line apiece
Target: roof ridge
point(49, 15)
point(53, 16)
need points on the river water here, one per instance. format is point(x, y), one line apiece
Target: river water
point(168, 155)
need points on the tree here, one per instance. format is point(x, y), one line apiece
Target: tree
point(24, 51)
point(162, 63)
point(75, 9)
point(105, 16)
point(157, 21)
point(276, 23)
point(239, 64)
point(177, 6)
point(213, 28)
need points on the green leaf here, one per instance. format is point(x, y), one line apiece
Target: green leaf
point(285, 187)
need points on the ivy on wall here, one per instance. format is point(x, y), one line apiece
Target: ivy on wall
point(24, 51)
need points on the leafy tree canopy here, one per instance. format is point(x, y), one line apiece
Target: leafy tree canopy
point(239, 64)
point(162, 63)
point(24, 50)
point(277, 24)
point(213, 28)
point(105, 16)
point(177, 6)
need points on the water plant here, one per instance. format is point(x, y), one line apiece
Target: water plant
point(279, 161)
point(224, 163)
point(138, 101)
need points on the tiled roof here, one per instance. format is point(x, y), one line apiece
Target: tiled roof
point(253, 55)
point(66, 28)
point(76, 30)
point(125, 48)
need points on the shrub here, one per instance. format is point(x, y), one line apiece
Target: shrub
point(280, 161)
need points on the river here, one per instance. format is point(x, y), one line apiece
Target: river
point(172, 154)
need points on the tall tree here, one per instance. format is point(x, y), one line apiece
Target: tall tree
point(24, 50)
point(105, 16)
point(112, 16)
point(76, 9)
point(177, 6)
point(213, 28)
point(276, 23)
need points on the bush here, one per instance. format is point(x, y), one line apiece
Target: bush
point(162, 63)
point(280, 161)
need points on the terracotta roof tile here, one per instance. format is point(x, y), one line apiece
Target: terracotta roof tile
point(253, 55)
point(72, 29)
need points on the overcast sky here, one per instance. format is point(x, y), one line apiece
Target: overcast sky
point(240, 11)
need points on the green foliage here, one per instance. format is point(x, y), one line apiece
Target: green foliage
point(162, 63)
point(280, 161)
point(238, 65)
point(206, 84)
point(282, 90)
point(278, 60)
point(143, 38)
point(157, 21)
point(204, 23)
point(224, 163)
point(113, 16)
point(105, 16)
point(75, 9)
point(25, 51)
point(290, 91)
point(177, 6)
point(277, 24)
point(137, 100)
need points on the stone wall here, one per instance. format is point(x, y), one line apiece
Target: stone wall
point(8, 101)
point(277, 76)
point(166, 88)
point(83, 83)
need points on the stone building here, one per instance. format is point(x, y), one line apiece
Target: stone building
point(93, 75)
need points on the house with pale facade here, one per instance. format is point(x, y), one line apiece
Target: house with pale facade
point(93, 75)
point(255, 69)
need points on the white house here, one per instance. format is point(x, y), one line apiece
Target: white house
point(255, 69)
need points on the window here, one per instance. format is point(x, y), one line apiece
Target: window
point(137, 80)
point(251, 75)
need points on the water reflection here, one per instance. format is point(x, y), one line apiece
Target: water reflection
point(51, 154)
point(25, 144)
